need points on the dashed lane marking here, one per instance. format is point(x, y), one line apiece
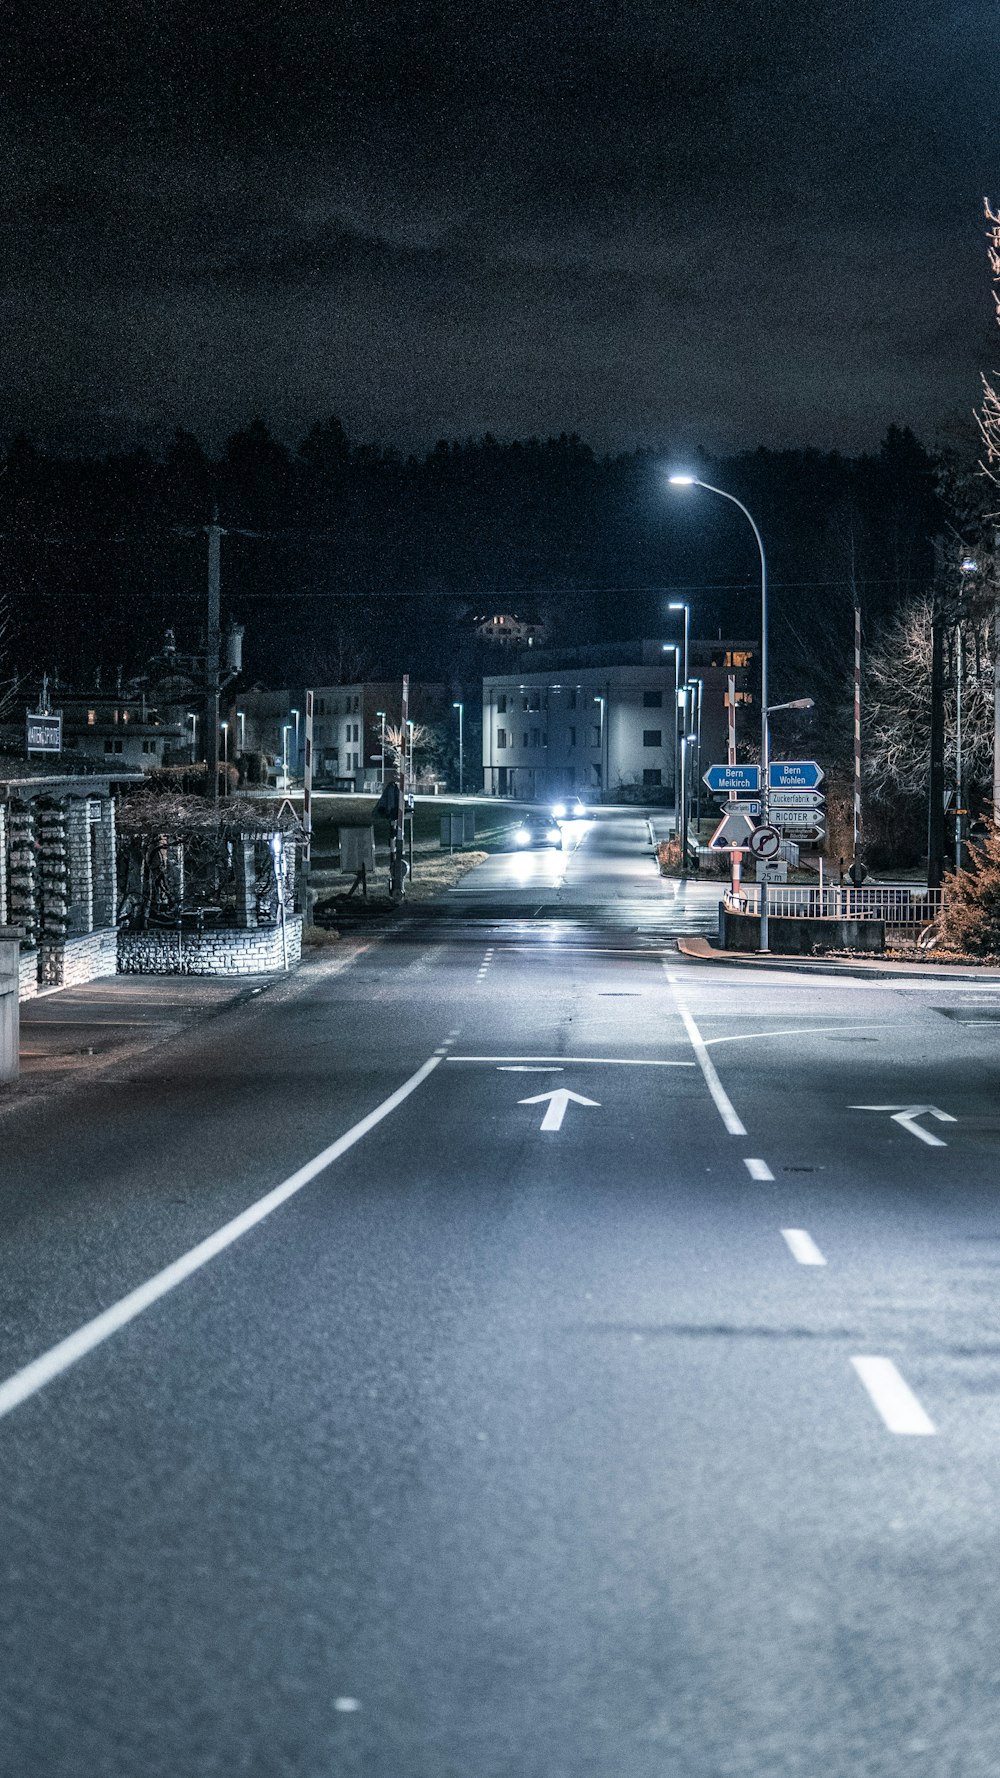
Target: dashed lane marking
point(757, 1169)
point(893, 1398)
point(803, 1248)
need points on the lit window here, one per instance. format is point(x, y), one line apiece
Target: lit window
point(91, 718)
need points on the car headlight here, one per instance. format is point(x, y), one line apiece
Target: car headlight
point(521, 836)
point(559, 810)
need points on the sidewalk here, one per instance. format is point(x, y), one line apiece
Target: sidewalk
point(702, 950)
point(72, 1035)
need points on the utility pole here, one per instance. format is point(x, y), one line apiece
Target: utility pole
point(857, 736)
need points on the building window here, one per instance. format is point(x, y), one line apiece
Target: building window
point(572, 737)
point(571, 705)
point(535, 740)
point(534, 700)
point(652, 700)
point(112, 746)
point(91, 718)
point(595, 736)
point(652, 737)
point(357, 704)
point(149, 746)
point(737, 658)
point(501, 737)
point(524, 740)
point(652, 775)
point(502, 704)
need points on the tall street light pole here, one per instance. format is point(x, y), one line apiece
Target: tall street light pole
point(460, 707)
point(674, 649)
point(681, 815)
point(381, 716)
point(694, 481)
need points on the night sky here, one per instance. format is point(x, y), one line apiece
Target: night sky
point(653, 224)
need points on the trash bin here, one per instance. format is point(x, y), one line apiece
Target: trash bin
point(10, 1022)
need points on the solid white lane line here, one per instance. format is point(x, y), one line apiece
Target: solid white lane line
point(893, 1398)
point(723, 1103)
point(792, 1031)
point(803, 1248)
point(34, 1376)
point(605, 1061)
point(757, 1169)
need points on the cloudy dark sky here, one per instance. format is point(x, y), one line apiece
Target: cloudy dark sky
point(652, 223)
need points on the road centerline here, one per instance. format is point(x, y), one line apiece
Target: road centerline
point(723, 1104)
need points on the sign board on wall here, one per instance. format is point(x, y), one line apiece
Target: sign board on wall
point(43, 732)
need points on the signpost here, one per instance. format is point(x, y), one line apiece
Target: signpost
point(733, 780)
point(794, 774)
point(796, 799)
point(796, 817)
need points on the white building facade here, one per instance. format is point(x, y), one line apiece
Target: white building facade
point(601, 722)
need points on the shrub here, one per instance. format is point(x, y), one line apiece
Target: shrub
point(970, 918)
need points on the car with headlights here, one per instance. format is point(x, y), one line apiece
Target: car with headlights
point(537, 830)
point(572, 809)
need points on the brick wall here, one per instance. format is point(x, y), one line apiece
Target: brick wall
point(232, 952)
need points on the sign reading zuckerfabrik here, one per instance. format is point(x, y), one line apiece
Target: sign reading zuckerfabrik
point(43, 733)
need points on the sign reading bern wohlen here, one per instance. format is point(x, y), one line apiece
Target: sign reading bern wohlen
point(44, 733)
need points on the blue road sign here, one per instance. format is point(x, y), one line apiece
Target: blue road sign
point(734, 780)
point(794, 774)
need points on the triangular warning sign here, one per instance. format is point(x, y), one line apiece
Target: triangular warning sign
point(732, 834)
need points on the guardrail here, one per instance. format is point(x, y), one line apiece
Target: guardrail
point(909, 908)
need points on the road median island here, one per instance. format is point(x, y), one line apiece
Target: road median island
point(704, 950)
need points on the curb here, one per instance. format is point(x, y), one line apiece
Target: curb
point(699, 950)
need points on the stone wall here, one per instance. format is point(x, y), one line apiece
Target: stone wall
point(229, 952)
point(799, 938)
point(67, 964)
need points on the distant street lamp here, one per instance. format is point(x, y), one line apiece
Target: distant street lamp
point(285, 732)
point(460, 707)
point(241, 716)
point(225, 757)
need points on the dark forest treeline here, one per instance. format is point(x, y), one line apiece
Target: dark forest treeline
point(355, 558)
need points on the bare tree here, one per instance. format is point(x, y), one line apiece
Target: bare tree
point(989, 412)
point(897, 702)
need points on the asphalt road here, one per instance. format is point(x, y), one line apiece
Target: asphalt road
point(664, 1443)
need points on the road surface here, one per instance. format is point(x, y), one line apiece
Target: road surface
point(525, 1352)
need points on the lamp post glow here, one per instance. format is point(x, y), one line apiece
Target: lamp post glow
point(460, 707)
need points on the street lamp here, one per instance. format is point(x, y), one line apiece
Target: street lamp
point(460, 707)
point(296, 716)
point(694, 481)
point(193, 720)
point(241, 717)
point(381, 716)
point(285, 732)
point(225, 757)
point(600, 744)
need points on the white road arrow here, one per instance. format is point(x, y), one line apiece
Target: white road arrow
point(558, 1100)
point(906, 1114)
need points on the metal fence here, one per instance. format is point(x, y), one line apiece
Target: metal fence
point(897, 906)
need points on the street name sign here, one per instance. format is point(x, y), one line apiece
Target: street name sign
point(732, 834)
point(795, 817)
point(794, 774)
point(796, 799)
point(733, 780)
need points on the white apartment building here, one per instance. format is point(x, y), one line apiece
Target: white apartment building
point(599, 721)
